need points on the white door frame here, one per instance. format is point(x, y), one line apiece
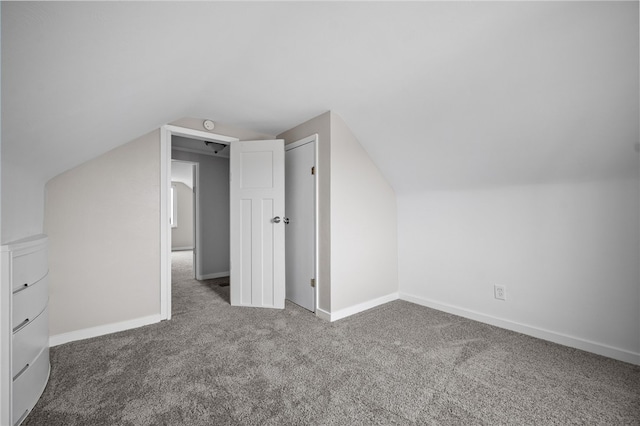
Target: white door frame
point(197, 258)
point(303, 141)
point(166, 132)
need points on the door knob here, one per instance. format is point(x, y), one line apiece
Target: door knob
point(286, 220)
point(276, 219)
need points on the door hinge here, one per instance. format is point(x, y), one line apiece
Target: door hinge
point(313, 170)
point(313, 282)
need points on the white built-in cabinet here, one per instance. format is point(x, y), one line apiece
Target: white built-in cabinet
point(24, 321)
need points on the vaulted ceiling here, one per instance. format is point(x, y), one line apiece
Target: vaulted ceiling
point(441, 95)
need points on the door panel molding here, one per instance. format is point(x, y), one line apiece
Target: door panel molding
point(257, 238)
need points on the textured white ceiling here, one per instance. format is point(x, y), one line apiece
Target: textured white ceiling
point(442, 95)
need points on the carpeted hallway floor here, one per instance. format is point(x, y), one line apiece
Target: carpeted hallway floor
point(400, 363)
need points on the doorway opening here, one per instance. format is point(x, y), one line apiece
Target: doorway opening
point(186, 142)
point(184, 214)
point(206, 164)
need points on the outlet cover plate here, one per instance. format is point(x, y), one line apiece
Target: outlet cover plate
point(500, 292)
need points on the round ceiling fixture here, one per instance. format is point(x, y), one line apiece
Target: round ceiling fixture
point(208, 124)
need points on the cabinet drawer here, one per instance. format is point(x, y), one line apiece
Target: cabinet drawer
point(28, 303)
point(29, 268)
point(28, 387)
point(29, 341)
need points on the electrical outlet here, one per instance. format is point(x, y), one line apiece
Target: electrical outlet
point(500, 292)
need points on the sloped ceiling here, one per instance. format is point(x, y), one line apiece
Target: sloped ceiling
point(442, 95)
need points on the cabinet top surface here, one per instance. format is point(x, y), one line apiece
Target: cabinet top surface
point(31, 241)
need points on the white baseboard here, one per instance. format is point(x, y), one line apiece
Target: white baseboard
point(101, 330)
point(360, 307)
point(214, 275)
point(324, 315)
point(552, 336)
point(181, 248)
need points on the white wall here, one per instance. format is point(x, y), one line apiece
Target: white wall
point(214, 210)
point(568, 255)
point(22, 202)
point(103, 222)
point(182, 234)
point(364, 251)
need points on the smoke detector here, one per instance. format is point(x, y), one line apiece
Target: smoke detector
point(208, 124)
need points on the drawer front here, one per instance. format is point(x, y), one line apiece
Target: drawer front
point(29, 268)
point(29, 341)
point(28, 387)
point(30, 302)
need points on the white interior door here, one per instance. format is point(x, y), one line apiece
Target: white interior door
point(257, 226)
point(300, 231)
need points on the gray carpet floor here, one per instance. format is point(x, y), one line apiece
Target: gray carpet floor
point(400, 363)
